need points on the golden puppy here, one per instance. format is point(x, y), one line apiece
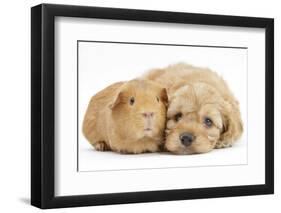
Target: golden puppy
point(127, 117)
point(202, 114)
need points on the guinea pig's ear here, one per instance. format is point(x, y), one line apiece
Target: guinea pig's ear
point(164, 96)
point(116, 100)
point(232, 125)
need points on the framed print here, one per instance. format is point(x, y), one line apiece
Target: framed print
point(139, 106)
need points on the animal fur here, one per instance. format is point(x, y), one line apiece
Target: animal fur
point(195, 95)
point(127, 117)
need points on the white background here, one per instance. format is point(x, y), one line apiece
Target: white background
point(101, 64)
point(15, 106)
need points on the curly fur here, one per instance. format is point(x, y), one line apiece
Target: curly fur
point(198, 93)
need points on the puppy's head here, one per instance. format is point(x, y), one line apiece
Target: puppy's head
point(199, 118)
point(139, 110)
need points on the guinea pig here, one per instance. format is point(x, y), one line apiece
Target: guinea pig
point(127, 117)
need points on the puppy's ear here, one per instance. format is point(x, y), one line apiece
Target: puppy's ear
point(116, 100)
point(164, 96)
point(232, 125)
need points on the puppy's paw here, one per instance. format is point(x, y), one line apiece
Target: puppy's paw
point(223, 144)
point(101, 146)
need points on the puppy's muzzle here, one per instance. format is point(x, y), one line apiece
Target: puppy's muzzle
point(186, 138)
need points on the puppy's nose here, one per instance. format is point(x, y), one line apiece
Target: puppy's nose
point(186, 138)
point(148, 114)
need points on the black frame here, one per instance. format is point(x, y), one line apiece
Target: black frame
point(43, 117)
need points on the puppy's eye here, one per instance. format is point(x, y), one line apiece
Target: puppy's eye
point(132, 100)
point(208, 122)
point(178, 116)
point(157, 99)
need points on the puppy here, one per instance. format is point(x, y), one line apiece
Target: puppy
point(203, 114)
point(127, 117)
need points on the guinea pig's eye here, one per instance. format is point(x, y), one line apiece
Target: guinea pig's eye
point(132, 100)
point(178, 116)
point(157, 99)
point(208, 122)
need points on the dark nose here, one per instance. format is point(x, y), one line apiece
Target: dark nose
point(186, 138)
point(147, 114)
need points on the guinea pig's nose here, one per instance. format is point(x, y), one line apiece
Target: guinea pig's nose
point(147, 114)
point(186, 138)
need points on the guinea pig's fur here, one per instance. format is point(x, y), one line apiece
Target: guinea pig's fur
point(127, 117)
point(202, 114)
